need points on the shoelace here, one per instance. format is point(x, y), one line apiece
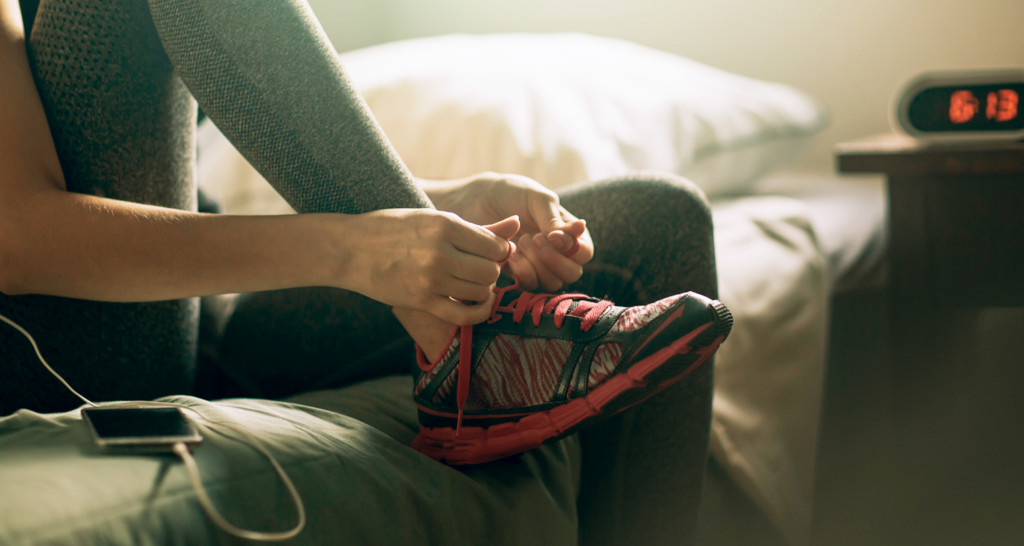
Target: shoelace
point(560, 305)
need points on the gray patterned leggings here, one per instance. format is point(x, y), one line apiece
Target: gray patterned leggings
point(117, 79)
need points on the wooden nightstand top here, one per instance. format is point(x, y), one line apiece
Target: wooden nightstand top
point(897, 154)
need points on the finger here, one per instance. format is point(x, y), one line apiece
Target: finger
point(545, 278)
point(506, 229)
point(464, 291)
point(460, 313)
point(481, 241)
point(475, 269)
point(563, 268)
point(575, 228)
point(523, 271)
point(546, 212)
point(563, 242)
point(582, 249)
point(573, 249)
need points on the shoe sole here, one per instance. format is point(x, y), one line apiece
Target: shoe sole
point(644, 379)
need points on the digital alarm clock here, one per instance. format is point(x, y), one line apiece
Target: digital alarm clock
point(962, 105)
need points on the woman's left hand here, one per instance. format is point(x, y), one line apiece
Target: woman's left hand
point(552, 245)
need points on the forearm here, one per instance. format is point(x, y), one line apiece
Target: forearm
point(73, 245)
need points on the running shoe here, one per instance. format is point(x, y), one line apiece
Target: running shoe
point(545, 366)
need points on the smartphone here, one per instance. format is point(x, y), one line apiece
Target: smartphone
point(140, 430)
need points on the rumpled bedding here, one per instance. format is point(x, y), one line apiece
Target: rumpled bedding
point(346, 450)
point(769, 375)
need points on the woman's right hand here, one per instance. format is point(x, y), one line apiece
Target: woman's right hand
point(425, 260)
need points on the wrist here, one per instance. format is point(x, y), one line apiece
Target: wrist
point(336, 262)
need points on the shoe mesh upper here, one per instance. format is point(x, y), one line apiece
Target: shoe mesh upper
point(606, 358)
point(635, 318)
point(514, 372)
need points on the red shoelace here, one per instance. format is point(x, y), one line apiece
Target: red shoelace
point(560, 305)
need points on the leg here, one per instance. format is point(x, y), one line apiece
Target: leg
point(643, 469)
point(284, 342)
point(267, 76)
point(118, 116)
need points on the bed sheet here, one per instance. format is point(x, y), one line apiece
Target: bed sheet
point(360, 481)
point(849, 215)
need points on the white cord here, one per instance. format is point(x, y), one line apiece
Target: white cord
point(17, 327)
point(190, 463)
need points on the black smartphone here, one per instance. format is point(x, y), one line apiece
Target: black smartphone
point(140, 430)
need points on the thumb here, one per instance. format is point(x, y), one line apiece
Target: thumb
point(506, 229)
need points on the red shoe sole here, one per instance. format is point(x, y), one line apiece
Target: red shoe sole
point(476, 445)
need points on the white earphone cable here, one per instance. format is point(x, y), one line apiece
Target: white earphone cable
point(190, 463)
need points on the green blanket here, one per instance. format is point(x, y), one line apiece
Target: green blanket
point(346, 450)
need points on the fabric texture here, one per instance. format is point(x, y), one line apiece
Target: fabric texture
point(346, 451)
point(567, 108)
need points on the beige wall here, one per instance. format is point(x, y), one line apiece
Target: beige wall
point(851, 55)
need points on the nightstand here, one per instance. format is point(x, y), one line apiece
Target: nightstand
point(956, 258)
point(956, 245)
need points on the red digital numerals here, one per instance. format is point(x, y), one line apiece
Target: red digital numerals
point(963, 105)
point(1002, 105)
point(999, 105)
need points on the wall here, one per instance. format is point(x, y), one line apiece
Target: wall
point(851, 55)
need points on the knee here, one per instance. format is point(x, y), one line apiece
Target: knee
point(664, 197)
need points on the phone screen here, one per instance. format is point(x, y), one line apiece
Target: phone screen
point(140, 429)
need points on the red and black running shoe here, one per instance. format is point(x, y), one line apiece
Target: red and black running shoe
point(545, 366)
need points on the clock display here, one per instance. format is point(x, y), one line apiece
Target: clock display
point(962, 105)
point(968, 109)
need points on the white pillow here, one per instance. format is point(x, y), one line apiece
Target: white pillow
point(565, 108)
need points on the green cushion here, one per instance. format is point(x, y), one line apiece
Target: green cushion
point(346, 450)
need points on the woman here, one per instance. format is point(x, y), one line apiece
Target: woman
point(101, 244)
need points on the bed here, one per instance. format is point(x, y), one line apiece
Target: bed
point(563, 109)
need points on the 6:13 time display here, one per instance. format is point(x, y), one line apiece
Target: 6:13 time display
point(963, 105)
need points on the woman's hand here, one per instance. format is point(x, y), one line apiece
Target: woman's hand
point(426, 260)
point(552, 244)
